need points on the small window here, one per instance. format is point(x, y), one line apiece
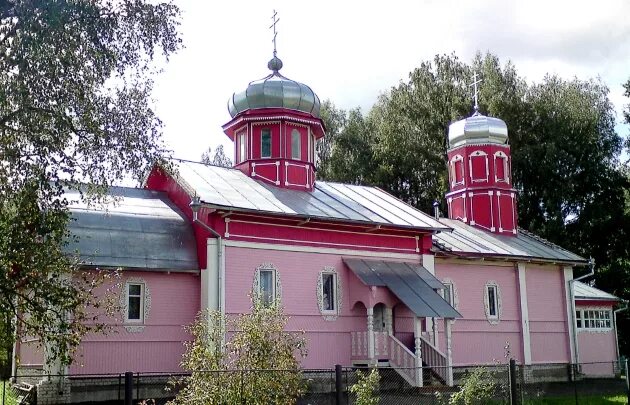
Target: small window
point(135, 302)
point(267, 285)
point(593, 319)
point(329, 292)
point(448, 293)
point(457, 170)
point(242, 147)
point(310, 148)
point(492, 301)
point(265, 143)
point(578, 318)
point(296, 145)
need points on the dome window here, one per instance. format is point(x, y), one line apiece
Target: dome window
point(457, 170)
point(478, 163)
point(242, 146)
point(265, 143)
point(501, 168)
point(296, 145)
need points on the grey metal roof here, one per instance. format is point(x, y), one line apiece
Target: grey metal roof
point(477, 129)
point(228, 188)
point(469, 240)
point(586, 292)
point(410, 282)
point(275, 90)
point(136, 229)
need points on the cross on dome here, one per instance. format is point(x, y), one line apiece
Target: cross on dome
point(275, 33)
point(476, 91)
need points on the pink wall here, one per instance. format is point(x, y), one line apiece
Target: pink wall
point(329, 342)
point(597, 347)
point(547, 309)
point(474, 339)
point(174, 304)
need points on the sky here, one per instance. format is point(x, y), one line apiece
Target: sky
point(351, 51)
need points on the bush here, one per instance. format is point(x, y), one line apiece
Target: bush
point(479, 388)
point(366, 387)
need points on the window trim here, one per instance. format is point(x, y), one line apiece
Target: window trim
point(501, 156)
point(329, 315)
point(261, 293)
point(241, 150)
point(492, 319)
point(141, 304)
point(264, 131)
point(134, 325)
point(598, 316)
point(334, 292)
point(294, 132)
point(454, 161)
point(276, 284)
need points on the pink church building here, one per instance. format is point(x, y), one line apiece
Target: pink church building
point(370, 279)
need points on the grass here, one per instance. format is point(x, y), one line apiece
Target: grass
point(9, 399)
point(583, 400)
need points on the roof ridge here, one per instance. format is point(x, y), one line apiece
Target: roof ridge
point(202, 163)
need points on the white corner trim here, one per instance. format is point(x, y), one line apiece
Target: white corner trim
point(135, 327)
point(329, 315)
point(522, 288)
point(492, 320)
point(571, 321)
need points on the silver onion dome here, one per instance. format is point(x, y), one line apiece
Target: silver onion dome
point(477, 129)
point(275, 91)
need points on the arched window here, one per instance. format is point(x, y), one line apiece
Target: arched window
point(478, 166)
point(457, 170)
point(241, 141)
point(296, 145)
point(501, 168)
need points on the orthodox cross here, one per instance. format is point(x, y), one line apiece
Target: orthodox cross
point(275, 21)
point(476, 93)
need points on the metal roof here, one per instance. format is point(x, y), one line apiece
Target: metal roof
point(469, 240)
point(231, 189)
point(410, 282)
point(586, 292)
point(135, 229)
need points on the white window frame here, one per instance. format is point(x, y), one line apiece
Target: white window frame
point(242, 146)
point(334, 292)
point(492, 319)
point(262, 130)
point(128, 296)
point(454, 160)
point(592, 319)
point(492, 303)
point(448, 286)
point(476, 155)
point(311, 142)
point(294, 132)
point(273, 286)
point(327, 314)
point(503, 158)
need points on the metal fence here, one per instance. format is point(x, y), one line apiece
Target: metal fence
point(494, 384)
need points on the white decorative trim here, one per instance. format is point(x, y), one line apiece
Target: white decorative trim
point(504, 160)
point(286, 174)
point(595, 308)
point(522, 291)
point(329, 315)
point(276, 163)
point(455, 294)
point(454, 160)
point(276, 276)
point(124, 304)
point(491, 319)
point(477, 154)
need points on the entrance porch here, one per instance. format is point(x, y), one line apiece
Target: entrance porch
point(382, 286)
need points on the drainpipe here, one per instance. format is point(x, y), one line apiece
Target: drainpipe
point(195, 206)
point(615, 324)
point(572, 297)
point(436, 209)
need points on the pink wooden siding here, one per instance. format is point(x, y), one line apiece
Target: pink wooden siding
point(597, 347)
point(174, 304)
point(475, 340)
point(547, 314)
point(329, 342)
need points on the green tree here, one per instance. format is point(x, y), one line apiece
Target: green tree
point(218, 159)
point(259, 364)
point(75, 81)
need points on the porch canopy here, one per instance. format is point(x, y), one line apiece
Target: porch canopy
point(410, 282)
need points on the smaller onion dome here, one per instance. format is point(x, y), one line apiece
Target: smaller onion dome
point(477, 129)
point(275, 91)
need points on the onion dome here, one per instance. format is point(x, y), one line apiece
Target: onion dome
point(275, 91)
point(477, 129)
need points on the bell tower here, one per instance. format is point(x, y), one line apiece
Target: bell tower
point(480, 177)
point(275, 126)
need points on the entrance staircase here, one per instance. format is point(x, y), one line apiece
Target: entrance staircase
point(389, 351)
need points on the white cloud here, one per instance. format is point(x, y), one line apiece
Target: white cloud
point(350, 51)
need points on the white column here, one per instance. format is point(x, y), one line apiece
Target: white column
point(370, 332)
point(568, 287)
point(436, 339)
point(449, 351)
point(522, 290)
point(389, 324)
point(417, 333)
point(210, 277)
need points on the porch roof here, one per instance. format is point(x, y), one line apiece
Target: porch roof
point(410, 282)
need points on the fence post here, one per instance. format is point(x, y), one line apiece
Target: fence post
point(627, 382)
point(513, 393)
point(4, 390)
point(128, 388)
point(338, 384)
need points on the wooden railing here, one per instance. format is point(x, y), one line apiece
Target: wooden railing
point(404, 361)
point(359, 345)
point(436, 360)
